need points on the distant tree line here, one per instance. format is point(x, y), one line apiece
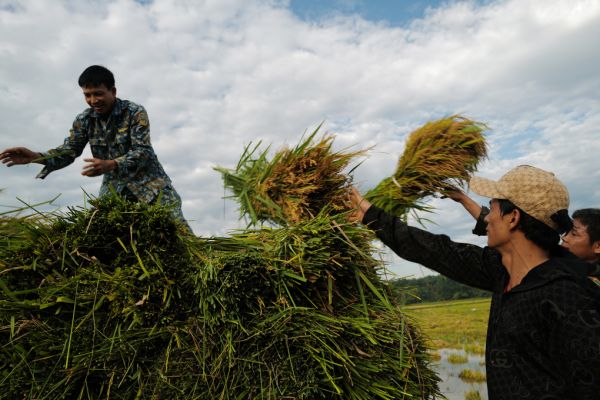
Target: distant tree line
point(433, 288)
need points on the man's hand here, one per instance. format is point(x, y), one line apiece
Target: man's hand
point(461, 197)
point(359, 204)
point(19, 155)
point(97, 167)
point(455, 194)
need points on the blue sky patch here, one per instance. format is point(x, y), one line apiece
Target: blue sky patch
point(394, 13)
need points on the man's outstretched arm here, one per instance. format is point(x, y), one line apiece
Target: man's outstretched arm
point(19, 156)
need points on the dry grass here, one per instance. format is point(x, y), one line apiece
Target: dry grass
point(457, 359)
point(440, 153)
point(294, 185)
point(472, 395)
point(469, 375)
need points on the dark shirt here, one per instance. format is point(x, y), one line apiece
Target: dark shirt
point(543, 339)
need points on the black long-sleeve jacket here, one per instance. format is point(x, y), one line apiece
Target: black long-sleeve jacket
point(543, 338)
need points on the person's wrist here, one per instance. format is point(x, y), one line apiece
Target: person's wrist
point(364, 205)
point(39, 159)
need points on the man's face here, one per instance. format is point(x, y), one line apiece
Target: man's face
point(577, 241)
point(498, 226)
point(100, 98)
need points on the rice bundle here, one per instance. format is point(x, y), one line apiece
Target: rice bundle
point(114, 302)
point(295, 185)
point(438, 155)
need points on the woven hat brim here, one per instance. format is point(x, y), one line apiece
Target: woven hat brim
point(486, 188)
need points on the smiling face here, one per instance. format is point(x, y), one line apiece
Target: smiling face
point(100, 98)
point(577, 241)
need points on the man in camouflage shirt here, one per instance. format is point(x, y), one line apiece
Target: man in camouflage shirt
point(118, 132)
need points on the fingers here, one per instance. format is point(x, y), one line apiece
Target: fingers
point(16, 155)
point(356, 203)
point(93, 168)
point(96, 166)
point(355, 197)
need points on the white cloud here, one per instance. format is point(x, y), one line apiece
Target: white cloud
point(216, 75)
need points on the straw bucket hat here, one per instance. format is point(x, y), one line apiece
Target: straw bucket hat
point(535, 191)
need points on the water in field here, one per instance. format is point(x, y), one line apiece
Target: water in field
point(453, 387)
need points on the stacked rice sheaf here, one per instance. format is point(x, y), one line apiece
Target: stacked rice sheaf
point(117, 301)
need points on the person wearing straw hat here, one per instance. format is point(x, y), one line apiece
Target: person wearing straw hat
point(118, 132)
point(582, 240)
point(543, 338)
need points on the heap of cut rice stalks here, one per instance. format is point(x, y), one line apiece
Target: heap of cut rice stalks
point(116, 302)
point(295, 185)
point(438, 155)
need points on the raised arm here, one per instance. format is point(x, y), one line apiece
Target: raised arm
point(468, 203)
point(465, 263)
point(478, 212)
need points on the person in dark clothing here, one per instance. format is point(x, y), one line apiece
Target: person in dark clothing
point(543, 338)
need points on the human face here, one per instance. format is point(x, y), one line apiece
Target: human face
point(498, 225)
point(577, 241)
point(100, 98)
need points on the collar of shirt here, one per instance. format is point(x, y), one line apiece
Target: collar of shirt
point(552, 269)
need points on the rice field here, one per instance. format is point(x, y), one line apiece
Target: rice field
point(460, 324)
point(456, 330)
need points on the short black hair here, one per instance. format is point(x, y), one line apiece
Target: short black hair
point(590, 217)
point(534, 230)
point(97, 75)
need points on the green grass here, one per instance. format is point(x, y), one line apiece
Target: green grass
point(460, 324)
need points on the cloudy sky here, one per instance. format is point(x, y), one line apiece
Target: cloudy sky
point(215, 75)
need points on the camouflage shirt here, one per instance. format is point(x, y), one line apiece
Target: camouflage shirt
point(124, 137)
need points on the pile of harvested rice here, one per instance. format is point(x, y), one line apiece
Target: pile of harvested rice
point(116, 302)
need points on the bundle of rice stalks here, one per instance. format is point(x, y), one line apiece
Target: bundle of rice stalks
point(294, 185)
point(113, 302)
point(438, 155)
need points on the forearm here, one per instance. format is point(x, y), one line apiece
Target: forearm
point(56, 159)
point(66, 153)
point(471, 206)
point(462, 262)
